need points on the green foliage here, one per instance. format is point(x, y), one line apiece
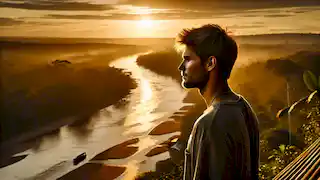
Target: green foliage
point(278, 160)
point(283, 112)
point(150, 175)
point(312, 95)
point(298, 105)
point(175, 174)
point(312, 84)
point(311, 130)
point(266, 171)
point(284, 155)
point(310, 80)
point(282, 147)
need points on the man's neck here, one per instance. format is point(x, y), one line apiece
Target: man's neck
point(212, 91)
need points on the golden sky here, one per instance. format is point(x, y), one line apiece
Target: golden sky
point(151, 19)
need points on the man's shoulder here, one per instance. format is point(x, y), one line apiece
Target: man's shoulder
point(227, 109)
point(210, 115)
point(222, 114)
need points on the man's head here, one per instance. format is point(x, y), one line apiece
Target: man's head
point(209, 52)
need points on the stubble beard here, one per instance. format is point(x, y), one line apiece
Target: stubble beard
point(201, 84)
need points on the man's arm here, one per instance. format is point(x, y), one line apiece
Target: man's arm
point(199, 154)
point(212, 150)
point(218, 144)
point(229, 145)
point(219, 153)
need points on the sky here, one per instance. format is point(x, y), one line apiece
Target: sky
point(154, 18)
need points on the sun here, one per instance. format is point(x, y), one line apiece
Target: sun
point(145, 23)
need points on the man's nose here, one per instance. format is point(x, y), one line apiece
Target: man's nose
point(181, 66)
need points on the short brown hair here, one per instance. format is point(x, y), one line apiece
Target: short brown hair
point(211, 40)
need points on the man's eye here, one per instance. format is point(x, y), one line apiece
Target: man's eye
point(186, 59)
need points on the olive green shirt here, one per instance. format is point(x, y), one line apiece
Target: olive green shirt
point(224, 143)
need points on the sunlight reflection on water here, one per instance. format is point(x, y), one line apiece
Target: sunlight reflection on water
point(148, 99)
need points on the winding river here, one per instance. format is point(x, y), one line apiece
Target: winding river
point(152, 102)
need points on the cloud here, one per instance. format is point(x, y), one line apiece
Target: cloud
point(80, 16)
point(264, 15)
point(277, 15)
point(209, 4)
point(169, 14)
point(56, 5)
point(121, 17)
point(9, 21)
point(246, 26)
point(77, 5)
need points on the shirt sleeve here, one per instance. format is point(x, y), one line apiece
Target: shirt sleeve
point(219, 153)
point(214, 148)
point(199, 154)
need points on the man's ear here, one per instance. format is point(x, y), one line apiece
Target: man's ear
point(212, 62)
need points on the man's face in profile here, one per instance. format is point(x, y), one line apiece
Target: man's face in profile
point(193, 72)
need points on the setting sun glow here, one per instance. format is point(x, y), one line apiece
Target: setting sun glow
point(145, 23)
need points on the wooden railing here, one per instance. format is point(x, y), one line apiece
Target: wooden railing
point(305, 166)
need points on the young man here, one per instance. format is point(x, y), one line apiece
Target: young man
point(224, 142)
